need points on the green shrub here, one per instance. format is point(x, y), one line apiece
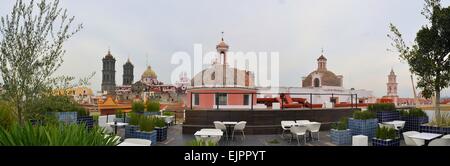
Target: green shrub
point(201, 143)
point(442, 121)
point(146, 124)
point(138, 107)
point(153, 106)
point(364, 115)
point(134, 119)
point(417, 112)
point(81, 112)
point(341, 125)
point(159, 122)
point(54, 135)
point(95, 117)
point(168, 113)
point(119, 113)
point(6, 114)
point(381, 107)
point(385, 133)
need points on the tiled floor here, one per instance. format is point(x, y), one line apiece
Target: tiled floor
point(176, 138)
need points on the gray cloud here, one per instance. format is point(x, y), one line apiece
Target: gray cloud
point(352, 32)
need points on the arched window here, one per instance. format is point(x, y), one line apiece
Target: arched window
point(213, 76)
point(316, 83)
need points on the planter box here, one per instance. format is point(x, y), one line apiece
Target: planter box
point(67, 117)
point(86, 120)
point(146, 135)
point(363, 127)
point(161, 133)
point(413, 123)
point(35, 122)
point(130, 131)
point(434, 129)
point(381, 142)
point(341, 137)
point(388, 116)
point(152, 113)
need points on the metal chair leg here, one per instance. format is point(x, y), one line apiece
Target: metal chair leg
point(243, 135)
point(298, 141)
point(304, 139)
point(232, 136)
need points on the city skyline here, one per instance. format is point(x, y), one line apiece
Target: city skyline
point(355, 44)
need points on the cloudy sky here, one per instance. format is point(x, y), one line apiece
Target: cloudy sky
point(352, 33)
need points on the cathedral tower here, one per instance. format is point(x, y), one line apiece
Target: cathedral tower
point(109, 74)
point(128, 73)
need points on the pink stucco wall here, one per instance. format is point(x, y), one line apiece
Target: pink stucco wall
point(207, 100)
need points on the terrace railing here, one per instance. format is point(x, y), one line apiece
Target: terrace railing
point(353, 104)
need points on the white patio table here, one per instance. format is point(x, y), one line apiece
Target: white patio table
point(397, 123)
point(115, 125)
point(426, 136)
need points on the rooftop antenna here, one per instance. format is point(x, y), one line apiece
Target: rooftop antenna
point(146, 60)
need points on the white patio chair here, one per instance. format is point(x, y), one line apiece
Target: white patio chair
point(412, 141)
point(440, 142)
point(298, 131)
point(285, 126)
point(446, 136)
point(137, 141)
point(391, 126)
point(402, 124)
point(102, 123)
point(301, 122)
point(221, 126)
point(314, 128)
point(240, 126)
point(111, 118)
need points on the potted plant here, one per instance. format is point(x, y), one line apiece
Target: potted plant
point(83, 117)
point(161, 129)
point(133, 125)
point(385, 112)
point(385, 137)
point(153, 108)
point(440, 125)
point(414, 118)
point(146, 129)
point(138, 107)
point(363, 123)
point(120, 116)
point(340, 134)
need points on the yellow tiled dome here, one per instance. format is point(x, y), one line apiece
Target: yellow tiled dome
point(149, 73)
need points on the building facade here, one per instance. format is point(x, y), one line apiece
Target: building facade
point(221, 86)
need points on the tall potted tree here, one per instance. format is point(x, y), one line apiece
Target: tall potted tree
point(428, 57)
